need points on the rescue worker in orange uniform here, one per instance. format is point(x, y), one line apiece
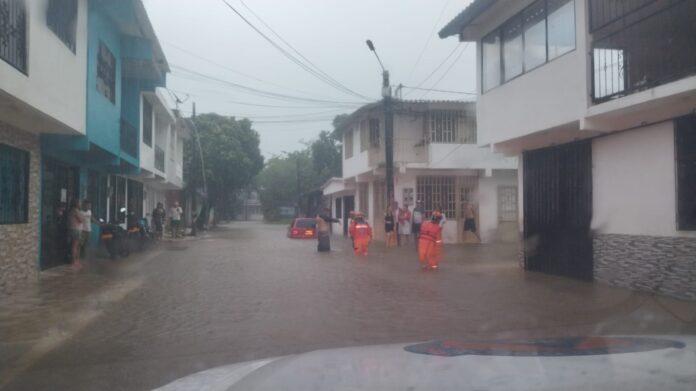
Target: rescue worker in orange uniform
point(361, 232)
point(430, 242)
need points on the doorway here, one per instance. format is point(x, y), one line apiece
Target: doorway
point(59, 185)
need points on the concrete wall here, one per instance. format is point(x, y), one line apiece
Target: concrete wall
point(488, 219)
point(19, 243)
point(634, 183)
point(469, 156)
point(55, 84)
point(559, 89)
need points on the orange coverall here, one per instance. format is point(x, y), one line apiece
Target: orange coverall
point(361, 234)
point(430, 244)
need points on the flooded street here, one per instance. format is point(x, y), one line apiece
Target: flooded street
point(246, 292)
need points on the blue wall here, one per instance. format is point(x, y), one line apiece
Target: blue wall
point(103, 116)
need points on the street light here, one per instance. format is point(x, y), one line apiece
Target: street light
point(388, 127)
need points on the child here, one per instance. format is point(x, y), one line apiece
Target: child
point(361, 232)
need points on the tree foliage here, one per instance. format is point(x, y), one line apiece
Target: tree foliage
point(295, 179)
point(231, 157)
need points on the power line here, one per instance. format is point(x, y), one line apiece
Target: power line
point(192, 54)
point(300, 54)
point(195, 75)
point(446, 71)
point(292, 58)
point(430, 36)
point(434, 90)
point(437, 68)
point(347, 106)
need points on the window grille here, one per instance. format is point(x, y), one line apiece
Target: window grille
point(13, 33)
point(106, 73)
point(348, 144)
point(374, 133)
point(437, 191)
point(147, 122)
point(61, 18)
point(14, 185)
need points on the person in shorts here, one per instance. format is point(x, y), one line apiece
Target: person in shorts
point(175, 213)
point(417, 220)
point(75, 224)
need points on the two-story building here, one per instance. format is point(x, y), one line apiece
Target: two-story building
point(597, 98)
point(436, 160)
point(43, 62)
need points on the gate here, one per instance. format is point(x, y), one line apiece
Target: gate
point(558, 210)
point(60, 184)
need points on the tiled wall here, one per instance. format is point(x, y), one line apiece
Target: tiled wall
point(664, 265)
point(19, 243)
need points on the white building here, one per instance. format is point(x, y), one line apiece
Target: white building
point(436, 160)
point(597, 98)
point(163, 133)
point(43, 66)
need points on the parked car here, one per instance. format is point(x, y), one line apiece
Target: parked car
point(302, 228)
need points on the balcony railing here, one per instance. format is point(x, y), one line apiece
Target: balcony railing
point(159, 158)
point(643, 49)
point(129, 139)
point(13, 33)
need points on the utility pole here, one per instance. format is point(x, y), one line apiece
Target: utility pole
point(205, 182)
point(297, 176)
point(388, 105)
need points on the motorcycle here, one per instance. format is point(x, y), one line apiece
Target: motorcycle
point(114, 238)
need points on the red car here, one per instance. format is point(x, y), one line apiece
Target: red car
point(303, 228)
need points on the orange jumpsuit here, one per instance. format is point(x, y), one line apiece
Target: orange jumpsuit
point(430, 244)
point(361, 234)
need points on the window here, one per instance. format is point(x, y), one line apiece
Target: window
point(147, 122)
point(685, 132)
point(13, 33)
point(507, 203)
point(14, 185)
point(513, 50)
point(364, 137)
point(491, 61)
point(348, 144)
point(443, 126)
point(561, 22)
point(374, 133)
point(106, 73)
point(437, 191)
point(541, 32)
point(339, 208)
point(534, 19)
point(61, 18)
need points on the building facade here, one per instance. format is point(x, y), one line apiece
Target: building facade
point(74, 76)
point(436, 160)
point(606, 141)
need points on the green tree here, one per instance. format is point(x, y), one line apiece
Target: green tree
point(231, 156)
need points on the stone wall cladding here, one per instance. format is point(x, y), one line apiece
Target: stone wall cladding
point(19, 243)
point(664, 265)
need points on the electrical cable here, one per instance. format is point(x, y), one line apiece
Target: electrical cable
point(446, 72)
point(437, 68)
point(430, 37)
point(292, 58)
point(435, 90)
point(202, 95)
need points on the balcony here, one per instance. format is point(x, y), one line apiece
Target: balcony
point(13, 34)
point(159, 158)
point(129, 139)
point(646, 46)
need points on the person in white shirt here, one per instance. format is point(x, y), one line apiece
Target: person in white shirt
point(86, 214)
point(175, 213)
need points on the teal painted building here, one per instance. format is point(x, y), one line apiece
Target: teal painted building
point(124, 60)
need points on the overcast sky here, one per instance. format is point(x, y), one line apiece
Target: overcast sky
point(209, 47)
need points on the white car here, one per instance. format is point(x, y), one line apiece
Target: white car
point(652, 363)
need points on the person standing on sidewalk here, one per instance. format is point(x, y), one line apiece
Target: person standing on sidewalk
point(470, 223)
point(158, 216)
point(404, 224)
point(389, 229)
point(87, 219)
point(324, 230)
point(175, 213)
point(75, 224)
point(430, 242)
point(361, 232)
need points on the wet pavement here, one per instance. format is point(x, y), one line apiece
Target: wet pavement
point(246, 292)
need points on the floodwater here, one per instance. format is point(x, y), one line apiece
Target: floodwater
point(246, 292)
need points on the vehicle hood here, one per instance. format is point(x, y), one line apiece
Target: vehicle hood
point(573, 363)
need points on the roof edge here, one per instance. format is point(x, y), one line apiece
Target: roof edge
point(470, 13)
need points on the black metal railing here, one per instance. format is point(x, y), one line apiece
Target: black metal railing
point(13, 33)
point(129, 138)
point(159, 158)
point(643, 50)
point(61, 18)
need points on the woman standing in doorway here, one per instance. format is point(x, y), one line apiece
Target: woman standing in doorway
point(75, 225)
